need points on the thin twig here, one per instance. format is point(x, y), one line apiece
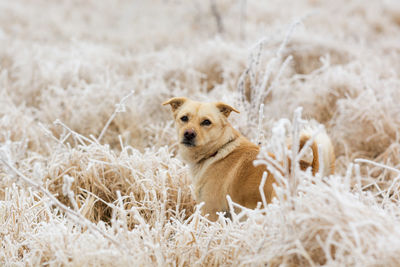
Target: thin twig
point(116, 111)
point(377, 164)
point(217, 16)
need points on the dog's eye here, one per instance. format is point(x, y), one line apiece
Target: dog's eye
point(205, 122)
point(184, 118)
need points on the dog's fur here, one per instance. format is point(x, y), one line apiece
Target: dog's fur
point(221, 159)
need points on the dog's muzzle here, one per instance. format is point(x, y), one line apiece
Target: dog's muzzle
point(189, 138)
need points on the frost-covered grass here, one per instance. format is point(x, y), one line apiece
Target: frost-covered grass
point(89, 172)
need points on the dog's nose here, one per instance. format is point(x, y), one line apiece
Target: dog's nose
point(189, 134)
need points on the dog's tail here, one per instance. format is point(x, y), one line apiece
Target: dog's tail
point(323, 155)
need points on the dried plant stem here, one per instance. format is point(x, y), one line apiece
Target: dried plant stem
point(261, 189)
point(78, 136)
point(260, 132)
point(75, 216)
point(243, 17)
point(295, 149)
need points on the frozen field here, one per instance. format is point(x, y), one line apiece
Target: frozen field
point(89, 172)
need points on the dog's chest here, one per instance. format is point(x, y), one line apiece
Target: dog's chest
point(210, 182)
point(198, 174)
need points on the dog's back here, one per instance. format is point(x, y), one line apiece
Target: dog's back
point(235, 174)
point(244, 188)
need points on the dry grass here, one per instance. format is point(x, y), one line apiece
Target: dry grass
point(65, 66)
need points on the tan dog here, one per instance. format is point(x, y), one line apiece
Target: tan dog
point(221, 159)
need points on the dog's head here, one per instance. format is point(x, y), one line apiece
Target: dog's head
point(202, 127)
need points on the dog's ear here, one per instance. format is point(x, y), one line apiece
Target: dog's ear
point(175, 102)
point(225, 109)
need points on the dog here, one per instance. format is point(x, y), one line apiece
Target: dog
point(221, 159)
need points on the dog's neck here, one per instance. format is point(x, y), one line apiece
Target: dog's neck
point(217, 151)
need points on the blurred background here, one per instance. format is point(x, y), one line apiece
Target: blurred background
point(66, 65)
